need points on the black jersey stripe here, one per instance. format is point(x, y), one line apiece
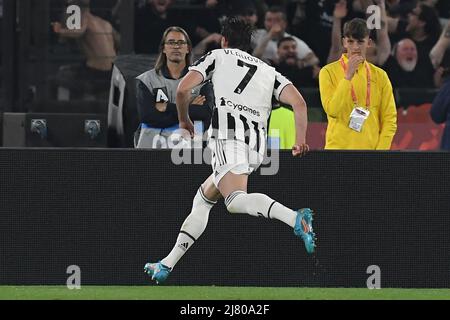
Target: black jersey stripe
point(277, 84)
point(231, 127)
point(246, 129)
point(223, 152)
point(215, 124)
point(258, 138)
point(211, 68)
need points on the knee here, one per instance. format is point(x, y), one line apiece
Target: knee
point(234, 204)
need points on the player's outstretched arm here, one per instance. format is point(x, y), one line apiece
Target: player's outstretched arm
point(189, 82)
point(292, 96)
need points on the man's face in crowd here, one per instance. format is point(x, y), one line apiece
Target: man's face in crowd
point(406, 55)
point(356, 46)
point(273, 18)
point(160, 6)
point(414, 23)
point(176, 47)
point(250, 17)
point(287, 52)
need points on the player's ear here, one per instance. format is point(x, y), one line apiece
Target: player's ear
point(224, 43)
point(370, 42)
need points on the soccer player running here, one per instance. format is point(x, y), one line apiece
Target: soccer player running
point(243, 87)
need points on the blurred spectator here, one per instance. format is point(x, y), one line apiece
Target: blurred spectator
point(440, 111)
point(439, 49)
point(247, 11)
point(398, 11)
point(99, 43)
point(312, 21)
point(281, 128)
point(292, 67)
point(339, 13)
point(441, 6)
point(210, 43)
point(261, 9)
point(406, 69)
point(150, 22)
point(209, 23)
point(265, 40)
point(97, 39)
point(307, 15)
point(156, 89)
point(378, 51)
point(423, 28)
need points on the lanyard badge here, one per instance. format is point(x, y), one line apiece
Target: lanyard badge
point(357, 118)
point(359, 114)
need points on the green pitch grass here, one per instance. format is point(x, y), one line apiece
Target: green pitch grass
point(215, 293)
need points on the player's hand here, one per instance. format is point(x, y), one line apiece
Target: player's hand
point(300, 150)
point(188, 126)
point(57, 27)
point(353, 64)
point(199, 100)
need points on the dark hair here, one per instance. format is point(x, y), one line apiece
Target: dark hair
point(237, 32)
point(277, 9)
point(356, 29)
point(162, 59)
point(284, 39)
point(431, 19)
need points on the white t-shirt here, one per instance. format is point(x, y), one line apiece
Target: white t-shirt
point(243, 88)
point(272, 47)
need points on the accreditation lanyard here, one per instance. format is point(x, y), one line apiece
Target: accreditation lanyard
point(355, 99)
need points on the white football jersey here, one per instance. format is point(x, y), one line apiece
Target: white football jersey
point(243, 87)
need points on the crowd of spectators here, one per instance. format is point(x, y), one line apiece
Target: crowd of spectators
point(410, 41)
point(298, 37)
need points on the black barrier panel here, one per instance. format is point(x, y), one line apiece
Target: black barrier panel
point(111, 211)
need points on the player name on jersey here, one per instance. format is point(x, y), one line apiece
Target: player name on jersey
point(239, 54)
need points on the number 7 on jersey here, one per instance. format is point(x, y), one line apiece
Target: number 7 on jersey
point(248, 76)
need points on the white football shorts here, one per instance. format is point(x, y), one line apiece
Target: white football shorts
point(233, 156)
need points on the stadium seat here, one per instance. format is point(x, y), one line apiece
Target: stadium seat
point(415, 114)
